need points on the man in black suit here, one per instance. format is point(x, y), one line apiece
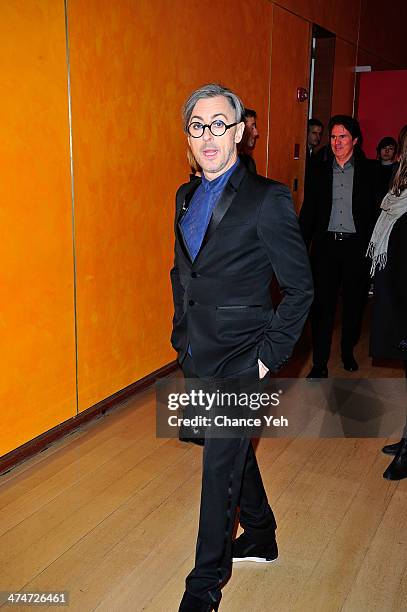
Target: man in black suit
point(337, 217)
point(234, 231)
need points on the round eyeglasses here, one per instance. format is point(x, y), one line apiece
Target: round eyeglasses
point(217, 128)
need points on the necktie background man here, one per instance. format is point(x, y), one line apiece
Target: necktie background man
point(234, 231)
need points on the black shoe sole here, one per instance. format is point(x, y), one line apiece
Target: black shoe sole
point(254, 559)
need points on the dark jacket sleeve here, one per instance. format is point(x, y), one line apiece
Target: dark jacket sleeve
point(177, 295)
point(308, 212)
point(177, 287)
point(279, 231)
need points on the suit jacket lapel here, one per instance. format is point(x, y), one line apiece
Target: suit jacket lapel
point(191, 188)
point(357, 182)
point(329, 194)
point(223, 204)
point(183, 209)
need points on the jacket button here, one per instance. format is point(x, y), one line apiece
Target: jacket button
point(191, 302)
point(194, 274)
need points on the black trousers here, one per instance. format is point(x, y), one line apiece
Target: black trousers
point(404, 435)
point(230, 478)
point(336, 264)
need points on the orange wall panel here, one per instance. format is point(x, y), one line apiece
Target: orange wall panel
point(37, 388)
point(133, 62)
point(132, 65)
point(381, 24)
point(288, 116)
point(338, 16)
point(344, 78)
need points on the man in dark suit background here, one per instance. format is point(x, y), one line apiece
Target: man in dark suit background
point(314, 135)
point(247, 144)
point(337, 219)
point(234, 231)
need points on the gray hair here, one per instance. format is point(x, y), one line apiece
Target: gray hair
point(210, 91)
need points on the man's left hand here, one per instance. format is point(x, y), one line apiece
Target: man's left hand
point(262, 369)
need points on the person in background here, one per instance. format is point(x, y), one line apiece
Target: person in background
point(314, 135)
point(337, 217)
point(387, 151)
point(315, 131)
point(388, 251)
point(386, 167)
point(248, 142)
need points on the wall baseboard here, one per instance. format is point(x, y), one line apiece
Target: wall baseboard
point(41, 442)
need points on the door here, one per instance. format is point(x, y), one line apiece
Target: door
point(290, 61)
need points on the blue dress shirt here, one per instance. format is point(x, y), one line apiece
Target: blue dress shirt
point(196, 220)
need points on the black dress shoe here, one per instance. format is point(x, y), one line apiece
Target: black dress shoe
point(317, 372)
point(350, 364)
point(190, 603)
point(397, 469)
point(244, 549)
point(391, 449)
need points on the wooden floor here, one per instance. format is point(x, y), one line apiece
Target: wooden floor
point(110, 515)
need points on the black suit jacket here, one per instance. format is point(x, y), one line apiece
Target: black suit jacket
point(316, 210)
point(222, 300)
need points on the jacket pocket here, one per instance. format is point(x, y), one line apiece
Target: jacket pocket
point(240, 312)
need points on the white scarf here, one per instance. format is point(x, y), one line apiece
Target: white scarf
point(393, 207)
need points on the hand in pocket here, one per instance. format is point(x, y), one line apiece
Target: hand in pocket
point(262, 369)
